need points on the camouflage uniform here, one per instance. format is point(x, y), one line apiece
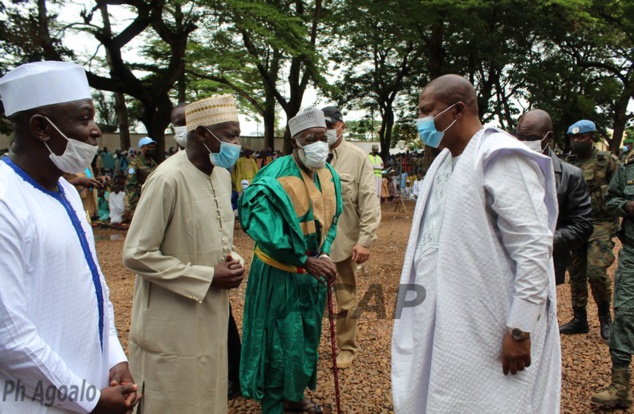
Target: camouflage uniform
point(619, 393)
point(621, 191)
point(138, 171)
point(591, 263)
point(624, 155)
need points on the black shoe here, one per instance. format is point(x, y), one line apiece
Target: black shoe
point(234, 390)
point(605, 319)
point(578, 324)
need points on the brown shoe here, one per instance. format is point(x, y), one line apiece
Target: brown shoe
point(618, 394)
point(344, 359)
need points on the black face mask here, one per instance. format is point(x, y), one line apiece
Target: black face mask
point(149, 153)
point(581, 147)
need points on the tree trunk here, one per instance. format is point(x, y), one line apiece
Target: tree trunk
point(122, 120)
point(385, 133)
point(182, 87)
point(119, 98)
point(269, 121)
point(288, 148)
point(436, 51)
point(156, 121)
point(294, 104)
point(620, 119)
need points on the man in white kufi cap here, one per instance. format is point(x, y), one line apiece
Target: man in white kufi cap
point(180, 245)
point(291, 210)
point(58, 342)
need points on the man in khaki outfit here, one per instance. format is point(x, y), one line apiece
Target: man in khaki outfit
point(180, 245)
point(356, 229)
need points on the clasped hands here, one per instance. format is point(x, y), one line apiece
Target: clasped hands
point(121, 396)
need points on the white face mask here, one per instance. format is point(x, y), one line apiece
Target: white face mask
point(180, 135)
point(333, 136)
point(313, 155)
point(536, 145)
point(76, 157)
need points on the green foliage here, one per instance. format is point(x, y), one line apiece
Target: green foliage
point(361, 130)
point(106, 115)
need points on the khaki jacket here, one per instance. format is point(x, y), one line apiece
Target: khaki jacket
point(361, 209)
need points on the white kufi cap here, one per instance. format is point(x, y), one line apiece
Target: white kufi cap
point(311, 118)
point(42, 83)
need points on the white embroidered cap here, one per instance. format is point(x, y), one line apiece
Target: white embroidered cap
point(42, 83)
point(310, 118)
point(211, 111)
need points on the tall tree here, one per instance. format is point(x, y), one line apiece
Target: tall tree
point(376, 53)
point(161, 18)
point(605, 48)
point(280, 38)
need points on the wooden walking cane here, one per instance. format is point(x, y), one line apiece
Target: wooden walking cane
point(331, 317)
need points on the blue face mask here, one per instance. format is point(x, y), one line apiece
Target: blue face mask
point(625, 149)
point(427, 129)
point(228, 155)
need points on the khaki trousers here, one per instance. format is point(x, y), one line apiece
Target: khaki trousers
point(346, 294)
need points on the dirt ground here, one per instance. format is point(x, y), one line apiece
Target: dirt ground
point(365, 388)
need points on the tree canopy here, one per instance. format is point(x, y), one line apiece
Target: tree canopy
point(572, 58)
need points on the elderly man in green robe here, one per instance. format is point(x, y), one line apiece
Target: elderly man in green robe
point(291, 211)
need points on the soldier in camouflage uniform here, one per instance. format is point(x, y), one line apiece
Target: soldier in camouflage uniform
point(625, 150)
point(139, 169)
point(591, 262)
point(620, 198)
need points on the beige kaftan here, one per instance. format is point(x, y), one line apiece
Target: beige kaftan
point(183, 226)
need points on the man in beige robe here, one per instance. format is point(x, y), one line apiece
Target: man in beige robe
point(356, 230)
point(180, 246)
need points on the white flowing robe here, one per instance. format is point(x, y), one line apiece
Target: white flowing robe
point(49, 308)
point(480, 246)
point(116, 203)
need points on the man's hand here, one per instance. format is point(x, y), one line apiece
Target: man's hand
point(360, 254)
point(516, 355)
point(115, 399)
point(319, 268)
point(86, 182)
point(228, 274)
point(629, 208)
point(120, 375)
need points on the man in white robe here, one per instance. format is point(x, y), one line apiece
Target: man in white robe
point(477, 299)
point(180, 247)
point(59, 350)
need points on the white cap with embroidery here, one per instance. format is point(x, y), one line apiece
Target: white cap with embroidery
point(310, 118)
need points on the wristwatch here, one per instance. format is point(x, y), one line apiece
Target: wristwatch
point(519, 335)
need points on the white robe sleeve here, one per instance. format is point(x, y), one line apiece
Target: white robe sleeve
point(515, 194)
point(116, 354)
point(25, 356)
